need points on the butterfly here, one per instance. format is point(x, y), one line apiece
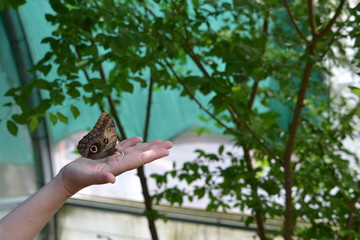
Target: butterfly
point(100, 142)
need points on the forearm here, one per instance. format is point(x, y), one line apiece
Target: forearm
point(24, 222)
point(30, 217)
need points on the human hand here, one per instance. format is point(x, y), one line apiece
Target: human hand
point(84, 172)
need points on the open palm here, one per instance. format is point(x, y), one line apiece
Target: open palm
point(84, 172)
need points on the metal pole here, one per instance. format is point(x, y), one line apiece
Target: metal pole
point(40, 138)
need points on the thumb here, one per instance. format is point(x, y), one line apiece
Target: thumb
point(104, 177)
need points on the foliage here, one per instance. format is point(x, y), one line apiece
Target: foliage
point(266, 79)
point(13, 3)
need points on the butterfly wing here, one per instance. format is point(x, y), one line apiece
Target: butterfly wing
point(101, 140)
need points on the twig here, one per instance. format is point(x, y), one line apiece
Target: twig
point(256, 83)
point(254, 90)
point(113, 107)
point(150, 212)
point(332, 40)
point(233, 112)
point(236, 120)
point(254, 186)
point(78, 53)
point(332, 20)
point(260, 141)
point(110, 100)
point(312, 17)
point(258, 213)
point(286, 3)
point(148, 109)
point(190, 49)
point(349, 202)
point(192, 96)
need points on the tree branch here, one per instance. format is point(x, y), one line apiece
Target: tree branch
point(288, 171)
point(253, 94)
point(192, 96)
point(260, 141)
point(256, 83)
point(113, 107)
point(148, 109)
point(110, 100)
point(312, 17)
point(254, 186)
point(234, 114)
point(332, 40)
point(258, 213)
point(191, 52)
point(78, 53)
point(150, 212)
point(238, 122)
point(286, 3)
point(189, 48)
point(332, 20)
point(349, 202)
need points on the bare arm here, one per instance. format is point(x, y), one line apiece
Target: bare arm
point(30, 217)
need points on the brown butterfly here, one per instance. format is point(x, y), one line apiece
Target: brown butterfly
point(101, 140)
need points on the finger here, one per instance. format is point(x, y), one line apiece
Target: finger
point(134, 159)
point(153, 154)
point(140, 148)
point(145, 146)
point(152, 145)
point(129, 142)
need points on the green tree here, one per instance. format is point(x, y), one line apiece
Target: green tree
point(263, 66)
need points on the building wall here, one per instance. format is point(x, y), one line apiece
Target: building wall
point(90, 224)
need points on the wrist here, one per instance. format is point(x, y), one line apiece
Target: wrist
point(65, 185)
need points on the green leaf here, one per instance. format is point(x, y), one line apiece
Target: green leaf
point(200, 192)
point(127, 87)
point(75, 111)
point(57, 97)
point(53, 118)
point(355, 90)
point(42, 84)
point(13, 3)
point(21, 118)
point(12, 127)
point(249, 220)
point(49, 18)
point(9, 104)
point(221, 149)
point(73, 92)
point(97, 82)
point(88, 88)
point(34, 123)
point(62, 117)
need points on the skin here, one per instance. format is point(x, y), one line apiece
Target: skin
point(31, 216)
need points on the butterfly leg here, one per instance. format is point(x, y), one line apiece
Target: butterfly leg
point(119, 152)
